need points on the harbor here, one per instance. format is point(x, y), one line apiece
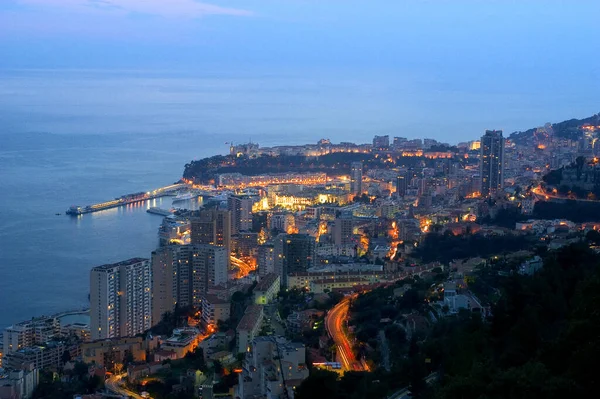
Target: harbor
point(127, 199)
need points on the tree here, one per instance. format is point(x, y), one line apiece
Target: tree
point(320, 384)
point(65, 357)
point(579, 163)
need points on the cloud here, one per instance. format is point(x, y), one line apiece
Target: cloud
point(165, 8)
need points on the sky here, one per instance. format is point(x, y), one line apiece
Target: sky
point(429, 67)
point(466, 36)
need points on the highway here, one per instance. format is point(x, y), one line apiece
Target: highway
point(334, 323)
point(113, 384)
point(243, 267)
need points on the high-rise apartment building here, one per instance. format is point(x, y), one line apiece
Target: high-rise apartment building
point(181, 274)
point(356, 171)
point(381, 142)
point(29, 333)
point(266, 259)
point(209, 269)
point(213, 227)
point(343, 231)
point(294, 253)
point(401, 185)
point(120, 299)
point(165, 284)
point(492, 162)
point(240, 207)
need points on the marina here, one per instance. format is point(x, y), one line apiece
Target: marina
point(127, 199)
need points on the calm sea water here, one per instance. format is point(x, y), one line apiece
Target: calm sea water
point(78, 137)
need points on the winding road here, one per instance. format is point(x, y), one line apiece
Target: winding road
point(113, 384)
point(335, 326)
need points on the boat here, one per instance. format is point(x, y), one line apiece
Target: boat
point(57, 214)
point(184, 196)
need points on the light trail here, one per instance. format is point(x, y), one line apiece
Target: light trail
point(334, 323)
point(243, 267)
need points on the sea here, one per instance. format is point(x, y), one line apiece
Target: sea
point(76, 137)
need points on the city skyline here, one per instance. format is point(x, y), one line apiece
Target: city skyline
point(269, 199)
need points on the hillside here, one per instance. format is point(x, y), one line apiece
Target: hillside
point(565, 129)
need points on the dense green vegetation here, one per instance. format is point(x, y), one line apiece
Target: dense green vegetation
point(172, 320)
point(542, 340)
point(575, 211)
point(569, 129)
point(505, 217)
point(447, 247)
point(76, 381)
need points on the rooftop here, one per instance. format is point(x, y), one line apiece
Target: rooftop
point(251, 317)
point(127, 262)
point(266, 282)
point(341, 280)
point(214, 300)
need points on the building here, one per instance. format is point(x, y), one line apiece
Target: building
point(215, 343)
point(245, 244)
point(492, 162)
point(209, 269)
point(108, 352)
point(322, 286)
point(294, 253)
point(531, 266)
point(240, 207)
point(343, 231)
point(181, 274)
point(47, 356)
point(401, 186)
point(273, 367)
point(136, 373)
point(381, 142)
point(79, 330)
point(303, 320)
point(212, 226)
point(215, 309)
point(266, 259)
point(248, 327)
point(182, 341)
point(29, 333)
point(267, 289)
point(18, 384)
point(164, 282)
point(120, 299)
point(356, 172)
point(283, 222)
point(308, 279)
point(454, 301)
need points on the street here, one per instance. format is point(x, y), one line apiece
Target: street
point(335, 326)
point(113, 384)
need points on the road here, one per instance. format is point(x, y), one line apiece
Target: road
point(114, 384)
point(337, 316)
point(335, 326)
point(243, 267)
point(542, 195)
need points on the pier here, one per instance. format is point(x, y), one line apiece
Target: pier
point(159, 211)
point(127, 199)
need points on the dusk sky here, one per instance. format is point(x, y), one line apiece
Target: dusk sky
point(468, 37)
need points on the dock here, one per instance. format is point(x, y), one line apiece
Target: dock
point(127, 199)
point(159, 211)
